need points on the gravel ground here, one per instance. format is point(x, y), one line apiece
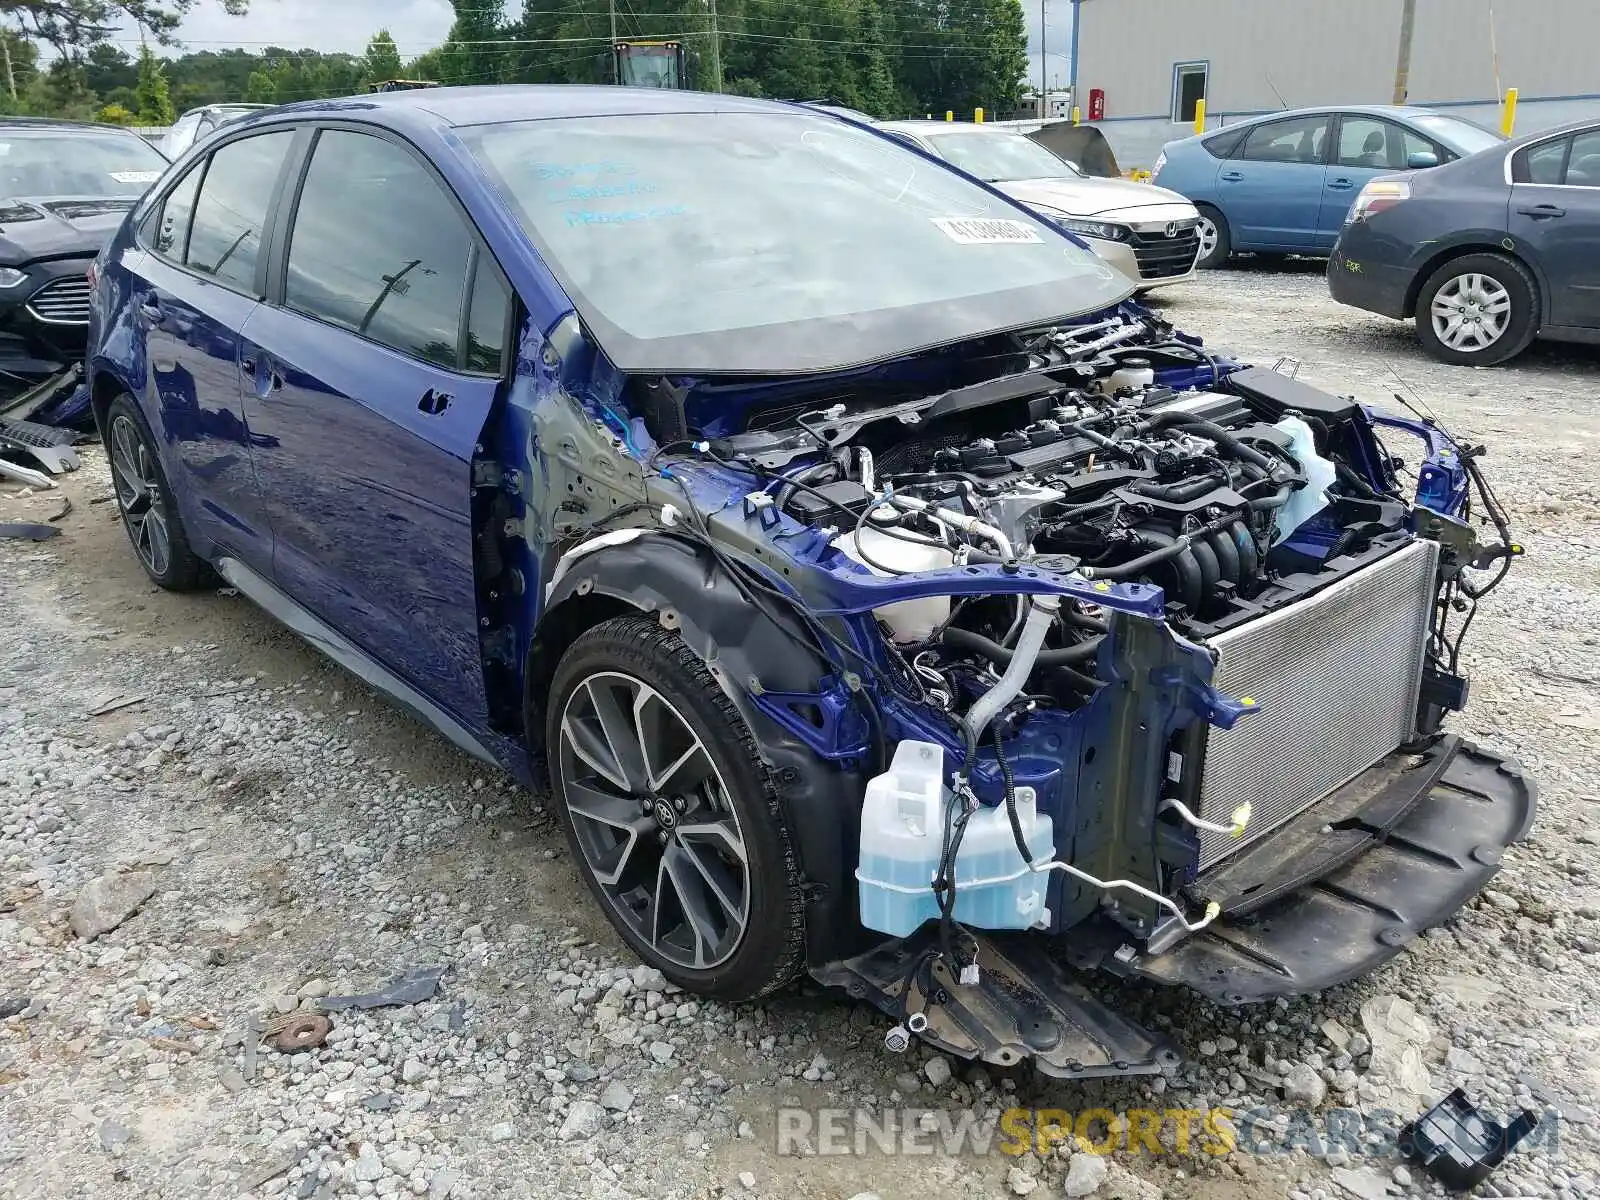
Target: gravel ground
point(257, 831)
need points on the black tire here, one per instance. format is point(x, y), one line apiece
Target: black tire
point(769, 951)
point(1222, 249)
point(1512, 279)
point(149, 509)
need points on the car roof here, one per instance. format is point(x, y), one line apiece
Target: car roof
point(62, 126)
point(932, 127)
point(1552, 131)
point(496, 103)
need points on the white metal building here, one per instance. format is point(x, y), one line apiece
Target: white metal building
point(1152, 59)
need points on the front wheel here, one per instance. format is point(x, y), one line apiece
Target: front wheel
point(1216, 244)
point(671, 814)
point(1478, 310)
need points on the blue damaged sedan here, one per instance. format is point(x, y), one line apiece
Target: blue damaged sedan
point(875, 589)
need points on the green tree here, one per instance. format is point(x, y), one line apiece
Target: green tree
point(260, 89)
point(74, 26)
point(470, 53)
point(115, 114)
point(107, 68)
point(382, 60)
point(152, 95)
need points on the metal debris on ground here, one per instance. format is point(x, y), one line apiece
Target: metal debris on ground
point(66, 507)
point(28, 530)
point(112, 705)
point(302, 1031)
point(252, 1046)
point(1458, 1144)
point(415, 986)
point(27, 475)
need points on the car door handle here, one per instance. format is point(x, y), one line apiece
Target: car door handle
point(1340, 185)
point(1542, 212)
point(1231, 176)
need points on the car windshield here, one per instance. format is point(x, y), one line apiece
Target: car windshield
point(1461, 136)
point(754, 242)
point(1000, 157)
point(55, 162)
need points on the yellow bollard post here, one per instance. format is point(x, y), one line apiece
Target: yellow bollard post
point(977, 115)
point(1200, 115)
point(1077, 115)
point(1508, 115)
point(948, 115)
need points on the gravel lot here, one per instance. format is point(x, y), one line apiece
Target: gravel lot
point(296, 837)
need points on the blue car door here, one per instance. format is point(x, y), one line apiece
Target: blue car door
point(372, 375)
point(1365, 147)
point(1554, 214)
point(192, 290)
point(1270, 191)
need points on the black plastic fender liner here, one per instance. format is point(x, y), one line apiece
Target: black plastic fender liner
point(686, 589)
point(1423, 856)
point(1025, 1007)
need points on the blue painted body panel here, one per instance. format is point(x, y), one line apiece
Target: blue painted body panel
point(304, 465)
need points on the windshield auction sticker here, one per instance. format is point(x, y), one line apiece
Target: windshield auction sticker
point(986, 231)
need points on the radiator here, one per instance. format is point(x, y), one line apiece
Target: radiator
point(1336, 678)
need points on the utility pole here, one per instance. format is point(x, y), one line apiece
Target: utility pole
point(5, 45)
point(716, 48)
point(1044, 67)
point(1402, 67)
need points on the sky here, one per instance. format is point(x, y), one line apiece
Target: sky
point(419, 25)
point(328, 25)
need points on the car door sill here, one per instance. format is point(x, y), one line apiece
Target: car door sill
point(348, 655)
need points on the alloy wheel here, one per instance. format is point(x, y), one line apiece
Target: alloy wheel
point(1470, 312)
point(139, 495)
point(654, 820)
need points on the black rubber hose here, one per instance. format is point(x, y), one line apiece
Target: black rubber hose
point(1351, 480)
point(1249, 557)
point(976, 643)
point(1011, 798)
point(1227, 553)
point(1080, 621)
point(1181, 492)
point(1168, 549)
point(1209, 429)
point(1277, 500)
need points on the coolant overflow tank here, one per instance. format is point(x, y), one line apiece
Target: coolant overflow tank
point(903, 820)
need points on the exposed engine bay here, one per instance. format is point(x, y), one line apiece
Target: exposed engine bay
point(1127, 640)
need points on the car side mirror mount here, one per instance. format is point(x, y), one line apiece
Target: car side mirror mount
point(1422, 160)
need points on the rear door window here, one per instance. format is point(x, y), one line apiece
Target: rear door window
point(379, 249)
point(1544, 163)
point(1222, 145)
point(1583, 161)
point(225, 237)
point(1297, 140)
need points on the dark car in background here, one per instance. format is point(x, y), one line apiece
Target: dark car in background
point(1282, 183)
point(64, 190)
point(1485, 254)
